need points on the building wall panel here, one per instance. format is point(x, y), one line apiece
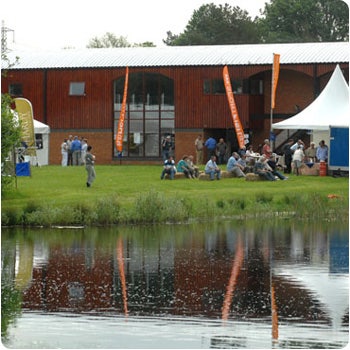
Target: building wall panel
point(91, 115)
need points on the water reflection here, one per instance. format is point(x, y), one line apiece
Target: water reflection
point(222, 285)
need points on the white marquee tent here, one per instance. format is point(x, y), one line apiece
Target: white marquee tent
point(42, 132)
point(330, 109)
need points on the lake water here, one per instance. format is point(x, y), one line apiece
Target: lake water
point(213, 285)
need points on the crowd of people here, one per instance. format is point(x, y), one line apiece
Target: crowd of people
point(75, 151)
point(264, 163)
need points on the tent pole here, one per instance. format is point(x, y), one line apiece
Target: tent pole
point(271, 138)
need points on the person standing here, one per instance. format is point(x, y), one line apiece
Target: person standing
point(221, 148)
point(166, 147)
point(70, 153)
point(298, 157)
point(84, 146)
point(210, 143)
point(198, 143)
point(89, 166)
point(322, 152)
point(64, 152)
point(76, 150)
point(310, 153)
point(288, 154)
point(212, 169)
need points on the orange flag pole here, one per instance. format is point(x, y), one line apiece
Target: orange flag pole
point(274, 80)
point(120, 130)
point(234, 113)
point(122, 274)
point(236, 268)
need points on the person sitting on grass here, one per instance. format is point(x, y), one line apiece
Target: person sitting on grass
point(273, 166)
point(234, 167)
point(182, 167)
point(262, 170)
point(192, 167)
point(169, 168)
point(212, 169)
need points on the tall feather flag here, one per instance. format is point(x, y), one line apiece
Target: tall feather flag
point(25, 115)
point(120, 130)
point(234, 113)
point(275, 74)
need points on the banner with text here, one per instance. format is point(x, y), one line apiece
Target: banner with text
point(234, 113)
point(120, 130)
point(275, 74)
point(24, 110)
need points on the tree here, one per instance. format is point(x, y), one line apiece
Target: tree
point(213, 25)
point(111, 40)
point(10, 128)
point(145, 44)
point(108, 40)
point(304, 21)
point(10, 138)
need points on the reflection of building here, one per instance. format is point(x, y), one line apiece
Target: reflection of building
point(191, 277)
point(172, 90)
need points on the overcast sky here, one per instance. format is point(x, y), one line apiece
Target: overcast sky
point(72, 23)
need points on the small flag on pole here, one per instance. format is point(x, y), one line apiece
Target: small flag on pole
point(275, 73)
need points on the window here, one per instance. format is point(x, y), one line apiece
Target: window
point(16, 90)
point(149, 113)
point(77, 89)
point(256, 87)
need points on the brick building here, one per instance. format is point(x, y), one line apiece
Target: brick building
point(175, 91)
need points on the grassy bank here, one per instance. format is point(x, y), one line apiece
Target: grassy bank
point(135, 194)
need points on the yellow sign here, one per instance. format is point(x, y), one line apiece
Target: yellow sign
point(25, 114)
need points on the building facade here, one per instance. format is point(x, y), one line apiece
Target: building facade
point(176, 91)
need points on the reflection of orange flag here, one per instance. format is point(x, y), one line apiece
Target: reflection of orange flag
point(275, 73)
point(234, 113)
point(122, 274)
point(274, 315)
point(25, 114)
point(236, 268)
point(120, 130)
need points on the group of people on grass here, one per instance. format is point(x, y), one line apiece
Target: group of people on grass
point(76, 151)
point(185, 166)
point(73, 150)
point(297, 154)
point(264, 164)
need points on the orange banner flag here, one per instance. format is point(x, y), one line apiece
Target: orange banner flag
point(120, 130)
point(234, 113)
point(275, 74)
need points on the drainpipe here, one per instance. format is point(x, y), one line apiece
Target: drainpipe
point(45, 96)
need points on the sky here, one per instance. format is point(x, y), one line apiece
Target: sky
point(39, 24)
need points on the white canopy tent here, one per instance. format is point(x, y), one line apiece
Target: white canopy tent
point(330, 109)
point(42, 132)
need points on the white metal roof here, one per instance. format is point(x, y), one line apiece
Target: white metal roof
point(256, 54)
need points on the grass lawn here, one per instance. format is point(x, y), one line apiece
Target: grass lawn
point(58, 187)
